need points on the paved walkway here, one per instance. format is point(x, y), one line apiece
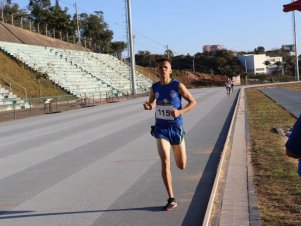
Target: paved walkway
point(287, 98)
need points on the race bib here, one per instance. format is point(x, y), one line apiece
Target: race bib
point(164, 112)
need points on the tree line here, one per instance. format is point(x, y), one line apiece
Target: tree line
point(222, 62)
point(43, 17)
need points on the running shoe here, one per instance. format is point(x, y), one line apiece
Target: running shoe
point(171, 204)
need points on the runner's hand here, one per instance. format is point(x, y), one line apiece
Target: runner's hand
point(175, 113)
point(147, 106)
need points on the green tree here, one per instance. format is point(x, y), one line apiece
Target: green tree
point(267, 63)
point(39, 12)
point(146, 59)
point(259, 50)
point(118, 48)
point(93, 27)
point(9, 9)
point(59, 19)
point(54, 17)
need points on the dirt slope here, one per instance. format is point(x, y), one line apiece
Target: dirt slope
point(10, 33)
point(189, 78)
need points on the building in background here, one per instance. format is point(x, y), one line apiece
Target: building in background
point(260, 63)
point(212, 48)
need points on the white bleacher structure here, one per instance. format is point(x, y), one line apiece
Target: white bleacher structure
point(9, 101)
point(78, 72)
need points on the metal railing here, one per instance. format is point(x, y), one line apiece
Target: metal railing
point(12, 109)
point(10, 83)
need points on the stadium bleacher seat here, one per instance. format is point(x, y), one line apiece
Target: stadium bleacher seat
point(78, 72)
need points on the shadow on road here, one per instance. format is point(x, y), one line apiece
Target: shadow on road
point(150, 208)
point(197, 209)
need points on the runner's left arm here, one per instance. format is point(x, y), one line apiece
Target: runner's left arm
point(188, 97)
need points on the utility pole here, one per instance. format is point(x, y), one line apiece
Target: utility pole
point(77, 24)
point(296, 52)
point(193, 68)
point(246, 71)
point(167, 51)
point(132, 54)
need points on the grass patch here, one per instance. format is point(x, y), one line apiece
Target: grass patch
point(275, 175)
point(35, 87)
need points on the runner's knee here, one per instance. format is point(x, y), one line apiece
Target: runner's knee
point(181, 164)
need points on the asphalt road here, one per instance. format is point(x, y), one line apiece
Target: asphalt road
point(99, 166)
point(289, 99)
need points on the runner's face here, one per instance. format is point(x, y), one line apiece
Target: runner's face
point(165, 68)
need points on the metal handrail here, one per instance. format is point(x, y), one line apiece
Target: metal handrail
point(12, 81)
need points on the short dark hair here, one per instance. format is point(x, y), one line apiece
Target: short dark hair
point(164, 60)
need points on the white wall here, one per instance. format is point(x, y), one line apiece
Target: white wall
point(255, 63)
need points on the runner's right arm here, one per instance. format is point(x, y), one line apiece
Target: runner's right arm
point(149, 105)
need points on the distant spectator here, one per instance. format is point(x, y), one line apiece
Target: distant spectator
point(228, 88)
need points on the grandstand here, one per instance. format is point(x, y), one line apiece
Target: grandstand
point(76, 70)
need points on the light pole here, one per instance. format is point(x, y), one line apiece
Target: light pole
point(77, 24)
point(296, 52)
point(132, 55)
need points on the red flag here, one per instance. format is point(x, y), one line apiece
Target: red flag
point(292, 6)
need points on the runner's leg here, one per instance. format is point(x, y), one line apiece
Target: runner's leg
point(164, 153)
point(180, 155)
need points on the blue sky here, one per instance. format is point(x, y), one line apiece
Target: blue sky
point(186, 25)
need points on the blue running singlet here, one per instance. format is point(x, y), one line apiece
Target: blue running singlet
point(167, 97)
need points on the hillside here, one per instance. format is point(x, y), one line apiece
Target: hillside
point(196, 79)
point(190, 79)
point(10, 33)
point(11, 70)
